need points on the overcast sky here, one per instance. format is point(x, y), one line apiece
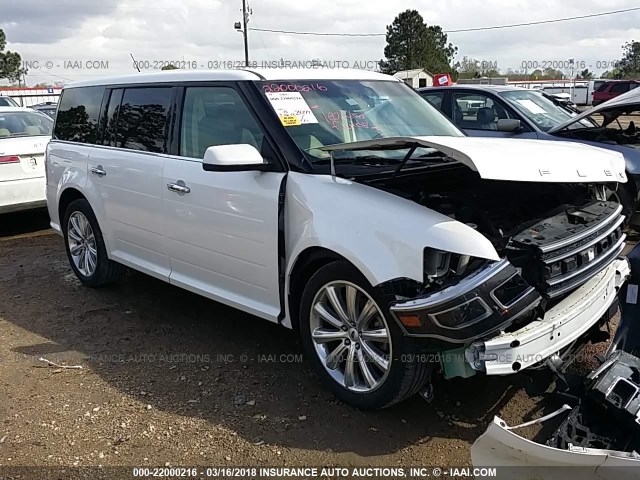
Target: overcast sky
point(55, 32)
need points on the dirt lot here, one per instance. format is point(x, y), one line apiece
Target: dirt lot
point(172, 378)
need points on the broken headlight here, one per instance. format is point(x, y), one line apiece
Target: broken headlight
point(463, 315)
point(461, 307)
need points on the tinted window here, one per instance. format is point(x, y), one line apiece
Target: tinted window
point(142, 119)
point(434, 98)
point(619, 88)
point(77, 119)
point(602, 87)
point(216, 116)
point(111, 117)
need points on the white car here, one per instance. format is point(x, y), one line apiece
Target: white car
point(24, 135)
point(341, 204)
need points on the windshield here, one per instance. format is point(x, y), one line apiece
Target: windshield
point(328, 112)
point(24, 124)
point(544, 113)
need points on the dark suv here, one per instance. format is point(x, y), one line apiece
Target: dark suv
point(609, 90)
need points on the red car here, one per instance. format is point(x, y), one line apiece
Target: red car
point(609, 90)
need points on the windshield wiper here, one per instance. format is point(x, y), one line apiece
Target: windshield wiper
point(344, 161)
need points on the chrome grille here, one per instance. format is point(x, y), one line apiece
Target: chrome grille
point(569, 263)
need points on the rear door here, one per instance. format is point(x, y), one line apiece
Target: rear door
point(127, 172)
point(222, 231)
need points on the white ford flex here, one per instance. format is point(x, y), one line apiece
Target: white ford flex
point(343, 205)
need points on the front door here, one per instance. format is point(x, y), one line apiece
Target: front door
point(221, 228)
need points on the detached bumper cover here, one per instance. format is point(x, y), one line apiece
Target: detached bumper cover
point(516, 457)
point(566, 322)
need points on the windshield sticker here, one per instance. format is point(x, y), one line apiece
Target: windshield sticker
point(290, 87)
point(292, 108)
point(531, 106)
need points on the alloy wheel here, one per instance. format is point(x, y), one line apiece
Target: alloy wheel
point(351, 336)
point(82, 244)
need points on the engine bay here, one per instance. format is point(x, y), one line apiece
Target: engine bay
point(497, 209)
point(556, 235)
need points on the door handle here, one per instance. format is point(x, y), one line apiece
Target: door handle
point(98, 171)
point(178, 187)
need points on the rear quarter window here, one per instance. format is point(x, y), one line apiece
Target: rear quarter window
point(77, 119)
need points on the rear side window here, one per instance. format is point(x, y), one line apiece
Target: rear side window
point(620, 88)
point(111, 117)
point(602, 87)
point(77, 119)
point(141, 119)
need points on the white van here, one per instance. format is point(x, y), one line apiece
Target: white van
point(341, 204)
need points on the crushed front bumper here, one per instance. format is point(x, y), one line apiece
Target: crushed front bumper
point(563, 324)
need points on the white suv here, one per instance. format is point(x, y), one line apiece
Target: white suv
point(343, 205)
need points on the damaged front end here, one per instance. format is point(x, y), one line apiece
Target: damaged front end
point(600, 436)
point(558, 277)
point(557, 239)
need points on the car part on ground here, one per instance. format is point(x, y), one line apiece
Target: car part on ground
point(600, 437)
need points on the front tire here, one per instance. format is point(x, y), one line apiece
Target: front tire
point(85, 246)
point(352, 342)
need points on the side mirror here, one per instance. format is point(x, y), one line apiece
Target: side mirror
point(240, 157)
point(508, 125)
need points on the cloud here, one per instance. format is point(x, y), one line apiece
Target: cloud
point(202, 32)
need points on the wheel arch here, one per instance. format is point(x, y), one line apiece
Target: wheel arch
point(308, 262)
point(66, 197)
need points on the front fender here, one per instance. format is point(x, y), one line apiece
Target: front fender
point(382, 234)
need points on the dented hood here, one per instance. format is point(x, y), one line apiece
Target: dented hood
point(521, 160)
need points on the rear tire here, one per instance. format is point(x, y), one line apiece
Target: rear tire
point(348, 356)
point(85, 246)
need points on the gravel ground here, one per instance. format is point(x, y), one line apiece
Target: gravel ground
point(171, 378)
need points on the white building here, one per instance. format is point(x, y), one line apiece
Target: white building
point(416, 78)
point(28, 96)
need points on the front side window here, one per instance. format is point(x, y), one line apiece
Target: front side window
point(24, 124)
point(216, 116)
point(77, 119)
point(328, 112)
point(477, 111)
point(142, 119)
